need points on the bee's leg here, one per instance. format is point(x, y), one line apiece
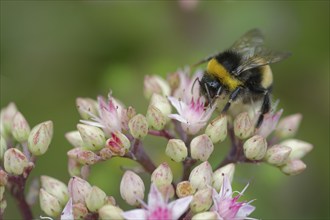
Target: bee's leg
point(217, 95)
point(265, 108)
point(233, 96)
point(208, 95)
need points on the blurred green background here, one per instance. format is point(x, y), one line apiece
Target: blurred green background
point(55, 51)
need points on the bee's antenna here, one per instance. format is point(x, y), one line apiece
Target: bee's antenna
point(193, 85)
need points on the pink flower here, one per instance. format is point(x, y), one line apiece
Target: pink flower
point(228, 208)
point(67, 213)
point(269, 123)
point(112, 116)
point(192, 115)
point(158, 208)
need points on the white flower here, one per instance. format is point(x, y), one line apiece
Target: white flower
point(158, 208)
point(67, 213)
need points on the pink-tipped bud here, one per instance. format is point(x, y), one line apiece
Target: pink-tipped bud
point(219, 174)
point(201, 147)
point(118, 143)
point(156, 119)
point(74, 167)
point(80, 211)
point(56, 188)
point(217, 129)
point(161, 103)
point(20, 128)
point(40, 138)
point(85, 157)
point(132, 188)
point(3, 147)
point(202, 200)
point(155, 84)
point(86, 107)
point(95, 199)
point(15, 162)
point(201, 176)
point(49, 204)
point(293, 167)
point(110, 212)
point(255, 148)
point(78, 189)
point(162, 175)
point(299, 148)
point(7, 115)
point(92, 137)
point(138, 126)
point(184, 189)
point(3, 206)
point(106, 153)
point(176, 150)
point(288, 126)
point(205, 216)
point(243, 126)
point(278, 154)
point(74, 138)
point(3, 178)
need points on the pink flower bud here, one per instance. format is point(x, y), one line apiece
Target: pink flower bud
point(293, 167)
point(3, 178)
point(155, 84)
point(49, 204)
point(74, 167)
point(299, 148)
point(202, 200)
point(243, 126)
point(7, 115)
point(138, 126)
point(83, 156)
point(217, 129)
point(74, 138)
point(3, 147)
point(184, 189)
point(20, 128)
point(40, 138)
point(118, 143)
point(156, 119)
point(55, 188)
point(80, 211)
point(161, 103)
point(219, 174)
point(176, 150)
point(86, 107)
point(162, 175)
point(255, 148)
point(132, 188)
point(110, 212)
point(3, 205)
point(95, 199)
point(106, 153)
point(92, 137)
point(15, 162)
point(201, 176)
point(288, 126)
point(201, 147)
point(78, 189)
point(278, 155)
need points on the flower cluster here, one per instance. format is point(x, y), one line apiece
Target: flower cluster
point(109, 129)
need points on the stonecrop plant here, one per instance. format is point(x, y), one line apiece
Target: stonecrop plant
point(109, 128)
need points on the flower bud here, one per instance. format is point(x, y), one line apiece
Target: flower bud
point(74, 138)
point(293, 167)
point(3, 147)
point(85, 157)
point(7, 115)
point(15, 161)
point(138, 126)
point(201, 176)
point(92, 137)
point(184, 189)
point(167, 191)
point(78, 189)
point(201, 147)
point(278, 154)
point(162, 175)
point(109, 200)
point(95, 199)
point(217, 129)
point(255, 148)
point(118, 143)
point(288, 126)
point(299, 148)
point(243, 126)
point(176, 150)
point(86, 107)
point(110, 212)
point(173, 80)
point(156, 119)
point(20, 128)
point(218, 175)
point(3, 206)
point(106, 153)
point(74, 167)
point(49, 204)
point(3, 178)
point(80, 211)
point(55, 188)
point(202, 200)
point(132, 188)
point(40, 138)
point(155, 84)
point(2, 191)
point(161, 103)
point(205, 216)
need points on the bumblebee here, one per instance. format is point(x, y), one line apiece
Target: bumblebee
point(242, 72)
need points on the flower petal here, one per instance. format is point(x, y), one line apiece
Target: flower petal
point(178, 105)
point(155, 198)
point(138, 214)
point(67, 213)
point(179, 206)
point(226, 191)
point(178, 118)
point(245, 211)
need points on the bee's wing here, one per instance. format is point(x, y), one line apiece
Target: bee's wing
point(260, 56)
point(248, 42)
